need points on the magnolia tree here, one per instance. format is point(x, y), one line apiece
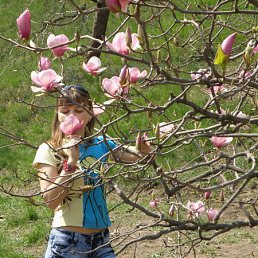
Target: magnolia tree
point(185, 75)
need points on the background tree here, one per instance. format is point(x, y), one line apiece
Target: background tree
point(180, 76)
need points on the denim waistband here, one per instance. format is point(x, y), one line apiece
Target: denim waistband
point(73, 234)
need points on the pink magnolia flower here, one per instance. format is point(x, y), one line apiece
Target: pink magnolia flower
point(218, 88)
point(113, 88)
point(44, 63)
point(201, 74)
point(98, 109)
point(135, 74)
point(227, 44)
point(255, 49)
point(24, 25)
point(47, 80)
point(93, 66)
point(220, 141)
point(212, 213)
point(195, 208)
point(245, 74)
point(241, 115)
point(165, 128)
point(116, 6)
point(71, 125)
point(54, 43)
point(153, 204)
point(222, 112)
point(119, 43)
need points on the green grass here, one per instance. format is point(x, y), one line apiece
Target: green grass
point(23, 227)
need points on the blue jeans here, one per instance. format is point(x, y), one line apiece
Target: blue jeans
point(66, 244)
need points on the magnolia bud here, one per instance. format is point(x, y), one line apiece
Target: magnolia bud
point(207, 195)
point(149, 112)
point(212, 213)
point(221, 196)
point(154, 204)
point(128, 37)
point(44, 63)
point(175, 41)
point(124, 73)
point(157, 131)
point(140, 35)
point(158, 58)
point(24, 25)
point(171, 210)
point(113, 5)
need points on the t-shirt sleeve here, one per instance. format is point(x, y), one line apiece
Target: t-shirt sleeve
point(44, 155)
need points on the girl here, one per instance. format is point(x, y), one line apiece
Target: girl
point(70, 182)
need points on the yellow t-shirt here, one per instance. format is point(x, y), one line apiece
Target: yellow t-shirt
point(81, 208)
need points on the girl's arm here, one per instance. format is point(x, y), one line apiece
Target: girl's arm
point(53, 186)
point(130, 154)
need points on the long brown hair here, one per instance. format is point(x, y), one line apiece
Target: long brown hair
point(71, 95)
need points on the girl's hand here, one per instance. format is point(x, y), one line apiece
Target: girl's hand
point(71, 148)
point(142, 144)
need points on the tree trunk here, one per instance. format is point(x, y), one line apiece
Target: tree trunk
point(99, 27)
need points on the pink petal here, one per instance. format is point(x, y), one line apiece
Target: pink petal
point(195, 208)
point(212, 213)
point(98, 109)
point(24, 24)
point(194, 75)
point(201, 73)
point(53, 41)
point(171, 210)
point(119, 43)
point(255, 49)
point(124, 4)
point(219, 88)
point(220, 141)
point(93, 66)
point(135, 74)
point(111, 47)
point(135, 42)
point(165, 128)
point(227, 44)
point(245, 74)
point(113, 5)
point(34, 78)
point(123, 76)
point(37, 89)
point(70, 125)
point(94, 63)
point(44, 63)
point(154, 204)
point(46, 79)
point(111, 86)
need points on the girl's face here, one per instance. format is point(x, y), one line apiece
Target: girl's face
point(80, 112)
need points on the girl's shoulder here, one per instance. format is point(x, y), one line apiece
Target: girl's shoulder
point(45, 154)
